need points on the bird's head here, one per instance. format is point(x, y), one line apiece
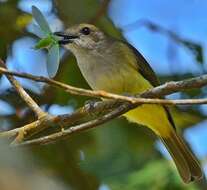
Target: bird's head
point(82, 36)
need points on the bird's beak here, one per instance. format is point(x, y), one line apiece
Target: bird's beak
point(66, 38)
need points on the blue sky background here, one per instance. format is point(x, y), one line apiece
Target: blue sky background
point(188, 18)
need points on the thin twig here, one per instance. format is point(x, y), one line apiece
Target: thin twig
point(146, 97)
point(176, 86)
point(23, 94)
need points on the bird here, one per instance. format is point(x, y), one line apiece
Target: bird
point(115, 66)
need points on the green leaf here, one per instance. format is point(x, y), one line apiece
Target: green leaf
point(40, 19)
point(53, 60)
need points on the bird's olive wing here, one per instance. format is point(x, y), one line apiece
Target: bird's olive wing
point(144, 67)
point(148, 73)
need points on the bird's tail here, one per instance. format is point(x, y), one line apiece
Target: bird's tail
point(158, 119)
point(187, 165)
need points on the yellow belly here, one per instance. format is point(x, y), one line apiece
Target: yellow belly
point(152, 116)
point(132, 82)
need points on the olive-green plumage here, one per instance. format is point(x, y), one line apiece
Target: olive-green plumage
point(115, 66)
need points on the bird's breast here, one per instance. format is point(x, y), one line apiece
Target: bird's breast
point(111, 74)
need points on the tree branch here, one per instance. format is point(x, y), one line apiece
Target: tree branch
point(23, 94)
point(177, 86)
point(65, 119)
point(147, 97)
point(78, 128)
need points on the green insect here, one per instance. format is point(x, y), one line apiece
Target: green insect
point(44, 43)
point(47, 41)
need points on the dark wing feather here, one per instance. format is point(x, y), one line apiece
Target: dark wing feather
point(144, 67)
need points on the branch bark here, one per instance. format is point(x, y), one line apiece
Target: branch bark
point(78, 128)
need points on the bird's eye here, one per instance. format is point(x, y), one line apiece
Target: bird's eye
point(85, 31)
